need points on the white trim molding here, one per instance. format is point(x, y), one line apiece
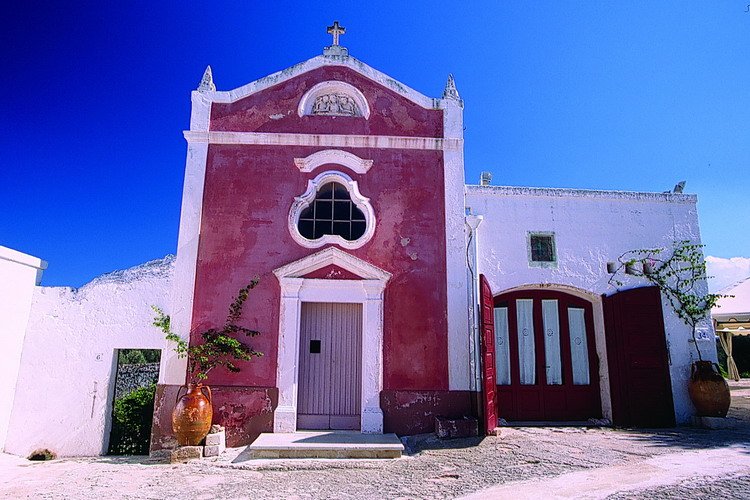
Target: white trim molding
point(325, 140)
point(337, 156)
point(334, 88)
point(296, 289)
point(304, 201)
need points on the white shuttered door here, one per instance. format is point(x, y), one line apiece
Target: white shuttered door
point(330, 369)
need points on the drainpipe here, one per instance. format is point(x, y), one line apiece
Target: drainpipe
point(472, 259)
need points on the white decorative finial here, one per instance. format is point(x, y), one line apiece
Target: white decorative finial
point(207, 82)
point(450, 91)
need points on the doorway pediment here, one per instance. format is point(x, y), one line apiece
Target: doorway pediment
point(332, 256)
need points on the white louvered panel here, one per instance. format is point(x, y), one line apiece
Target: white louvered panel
point(502, 346)
point(526, 348)
point(551, 325)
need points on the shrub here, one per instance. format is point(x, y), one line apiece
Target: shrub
point(42, 454)
point(131, 422)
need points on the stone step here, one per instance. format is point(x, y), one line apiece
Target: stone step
point(326, 444)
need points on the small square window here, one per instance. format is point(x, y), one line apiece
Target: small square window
point(541, 247)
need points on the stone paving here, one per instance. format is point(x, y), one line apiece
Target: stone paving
point(431, 469)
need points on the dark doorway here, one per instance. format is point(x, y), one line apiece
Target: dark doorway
point(133, 402)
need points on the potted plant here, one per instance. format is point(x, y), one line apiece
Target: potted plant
point(681, 277)
point(193, 412)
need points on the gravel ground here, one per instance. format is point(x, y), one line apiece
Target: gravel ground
point(734, 487)
point(431, 469)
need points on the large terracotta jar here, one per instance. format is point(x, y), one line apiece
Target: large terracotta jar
point(708, 390)
point(192, 414)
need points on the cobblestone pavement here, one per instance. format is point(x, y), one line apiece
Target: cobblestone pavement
point(432, 468)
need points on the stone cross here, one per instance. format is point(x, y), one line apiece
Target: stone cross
point(336, 30)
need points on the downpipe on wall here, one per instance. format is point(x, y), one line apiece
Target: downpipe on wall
point(472, 259)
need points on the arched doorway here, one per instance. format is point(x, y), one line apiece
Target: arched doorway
point(546, 361)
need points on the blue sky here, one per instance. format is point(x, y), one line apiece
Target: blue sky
point(605, 95)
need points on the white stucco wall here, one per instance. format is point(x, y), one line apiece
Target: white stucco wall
point(591, 228)
point(19, 274)
point(63, 398)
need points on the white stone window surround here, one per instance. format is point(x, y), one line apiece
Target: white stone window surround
point(367, 291)
point(302, 202)
point(337, 156)
point(333, 87)
point(541, 263)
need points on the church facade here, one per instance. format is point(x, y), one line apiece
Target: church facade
point(343, 191)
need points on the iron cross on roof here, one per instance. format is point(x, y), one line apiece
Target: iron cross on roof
point(336, 30)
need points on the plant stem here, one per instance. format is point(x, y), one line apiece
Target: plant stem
point(695, 341)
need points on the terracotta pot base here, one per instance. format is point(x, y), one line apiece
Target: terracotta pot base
point(708, 390)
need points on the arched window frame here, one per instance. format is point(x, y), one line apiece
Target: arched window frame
point(302, 202)
point(333, 87)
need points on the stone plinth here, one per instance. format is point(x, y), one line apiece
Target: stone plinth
point(449, 428)
point(184, 454)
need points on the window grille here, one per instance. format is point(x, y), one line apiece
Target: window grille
point(332, 212)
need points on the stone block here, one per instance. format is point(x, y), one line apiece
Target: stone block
point(715, 423)
point(213, 450)
point(217, 439)
point(216, 428)
point(183, 454)
point(449, 428)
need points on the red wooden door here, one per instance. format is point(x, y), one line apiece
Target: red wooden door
point(547, 367)
point(488, 355)
point(640, 385)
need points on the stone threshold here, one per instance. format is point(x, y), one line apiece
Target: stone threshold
point(569, 423)
point(325, 444)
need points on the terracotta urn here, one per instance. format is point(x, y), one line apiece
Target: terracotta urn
point(192, 414)
point(708, 390)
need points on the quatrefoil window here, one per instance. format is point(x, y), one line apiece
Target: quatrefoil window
point(332, 210)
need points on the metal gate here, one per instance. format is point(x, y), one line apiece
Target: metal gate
point(330, 368)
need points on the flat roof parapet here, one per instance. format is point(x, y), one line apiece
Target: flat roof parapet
point(580, 193)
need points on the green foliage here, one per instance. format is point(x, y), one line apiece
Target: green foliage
point(131, 422)
point(137, 356)
point(131, 357)
point(679, 274)
point(219, 346)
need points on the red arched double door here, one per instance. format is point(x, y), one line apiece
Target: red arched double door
point(546, 363)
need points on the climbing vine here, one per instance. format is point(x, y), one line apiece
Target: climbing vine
point(680, 274)
point(219, 346)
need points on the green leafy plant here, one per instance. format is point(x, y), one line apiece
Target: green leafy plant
point(219, 346)
point(680, 274)
point(131, 422)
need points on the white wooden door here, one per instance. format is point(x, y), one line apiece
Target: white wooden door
point(330, 367)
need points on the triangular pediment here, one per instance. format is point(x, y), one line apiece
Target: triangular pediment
point(319, 62)
point(332, 272)
point(332, 256)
